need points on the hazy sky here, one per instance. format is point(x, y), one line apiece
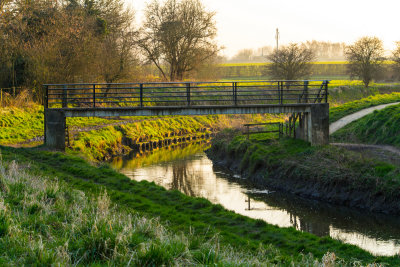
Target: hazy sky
point(252, 23)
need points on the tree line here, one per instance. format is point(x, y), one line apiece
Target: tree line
point(77, 41)
point(323, 51)
point(365, 58)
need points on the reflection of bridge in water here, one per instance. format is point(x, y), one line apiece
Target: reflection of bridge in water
point(305, 100)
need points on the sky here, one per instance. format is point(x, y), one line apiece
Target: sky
point(252, 23)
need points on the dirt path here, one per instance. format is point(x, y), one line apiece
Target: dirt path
point(383, 152)
point(333, 127)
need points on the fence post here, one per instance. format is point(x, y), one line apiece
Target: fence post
point(1, 96)
point(141, 95)
point(280, 93)
point(188, 93)
point(94, 95)
point(64, 96)
point(14, 91)
point(305, 92)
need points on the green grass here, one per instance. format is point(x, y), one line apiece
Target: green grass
point(380, 127)
point(186, 214)
point(20, 124)
point(338, 112)
point(45, 222)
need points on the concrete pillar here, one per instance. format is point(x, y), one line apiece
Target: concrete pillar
point(314, 126)
point(54, 124)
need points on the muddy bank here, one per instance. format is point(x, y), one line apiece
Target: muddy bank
point(328, 174)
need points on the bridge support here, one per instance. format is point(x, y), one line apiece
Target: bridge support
point(314, 125)
point(54, 128)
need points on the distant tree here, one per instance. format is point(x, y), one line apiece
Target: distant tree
point(365, 59)
point(178, 35)
point(244, 55)
point(396, 59)
point(326, 50)
point(290, 62)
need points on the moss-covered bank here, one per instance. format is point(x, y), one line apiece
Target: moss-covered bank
point(327, 173)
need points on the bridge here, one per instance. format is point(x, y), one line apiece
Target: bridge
point(306, 101)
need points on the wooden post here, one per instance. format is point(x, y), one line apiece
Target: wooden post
point(1, 96)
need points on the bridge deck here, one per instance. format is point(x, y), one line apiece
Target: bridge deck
point(184, 110)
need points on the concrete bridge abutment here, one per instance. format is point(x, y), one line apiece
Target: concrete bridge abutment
point(314, 125)
point(54, 136)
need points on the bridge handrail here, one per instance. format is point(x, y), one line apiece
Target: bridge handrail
point(191, 82)
point(139, 95)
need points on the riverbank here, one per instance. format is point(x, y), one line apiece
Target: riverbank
point(380, 127)
point(326, 173)
point(183, 214)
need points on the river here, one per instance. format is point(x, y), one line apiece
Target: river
point(188, 169)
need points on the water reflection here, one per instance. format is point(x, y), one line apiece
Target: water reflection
point(189, 170)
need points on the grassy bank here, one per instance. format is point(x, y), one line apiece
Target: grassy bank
point(338, 112)
point(183, 214)
point(380, 127)
point(328, 173)
point(45, 222)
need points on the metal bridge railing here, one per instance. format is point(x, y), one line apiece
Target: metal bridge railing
point(98, 95)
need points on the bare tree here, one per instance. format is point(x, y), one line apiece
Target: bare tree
point(178, 35)
point(290, 62)
point(365, 59)
point(396, 59)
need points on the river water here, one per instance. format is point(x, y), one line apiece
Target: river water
point(188, 169)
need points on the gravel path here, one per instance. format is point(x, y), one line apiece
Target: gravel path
point(333, 127)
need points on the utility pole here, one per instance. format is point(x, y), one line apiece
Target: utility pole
point(277, 38)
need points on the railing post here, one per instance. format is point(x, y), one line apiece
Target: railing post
point(64, 97)
point(235, 93)
point(94, 95)
point(280, 86)
point(305, 92)
point(326, 91)
point(46, 97)
point(141, 95)
point(188, 93)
